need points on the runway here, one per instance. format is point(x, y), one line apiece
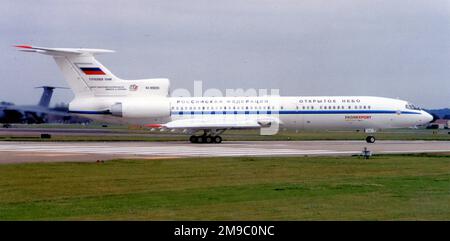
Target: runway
point(17, 152)
point(23, 132)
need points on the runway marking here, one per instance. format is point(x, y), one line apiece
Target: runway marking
point(176, 149)
point(190, 151)
point(50, 154)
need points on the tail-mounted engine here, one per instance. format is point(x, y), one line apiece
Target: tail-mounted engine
point(154, 107)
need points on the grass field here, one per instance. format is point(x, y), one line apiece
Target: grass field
point(391, 187)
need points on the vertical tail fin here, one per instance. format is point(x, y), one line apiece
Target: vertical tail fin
point(47, 95)
point(87, 77)
point(81, 70)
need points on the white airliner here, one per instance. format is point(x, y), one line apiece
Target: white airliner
point(101, 95)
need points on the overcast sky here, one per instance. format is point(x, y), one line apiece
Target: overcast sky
point(390, 48)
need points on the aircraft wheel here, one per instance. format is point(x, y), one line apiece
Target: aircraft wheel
point(208, 139)
point(370, 139)
point(203, 139)
point(193, 139)
point(217, 139)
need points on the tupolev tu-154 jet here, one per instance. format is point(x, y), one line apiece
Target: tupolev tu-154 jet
point(101, 95)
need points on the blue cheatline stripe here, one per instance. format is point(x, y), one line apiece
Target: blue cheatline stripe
point(293, 112)
point(282, 112)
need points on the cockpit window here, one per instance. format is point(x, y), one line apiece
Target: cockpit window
point(412, 107)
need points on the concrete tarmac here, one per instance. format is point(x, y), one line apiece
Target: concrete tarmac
point(26, 132)
point(18, 152)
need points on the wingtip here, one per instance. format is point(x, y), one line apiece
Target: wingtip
point(22, 46)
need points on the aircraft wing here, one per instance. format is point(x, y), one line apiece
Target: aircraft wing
point(211, 124)
point(215, 123)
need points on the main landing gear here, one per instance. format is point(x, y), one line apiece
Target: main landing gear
point(209, 136)
point(205, 139)
point(370, 139)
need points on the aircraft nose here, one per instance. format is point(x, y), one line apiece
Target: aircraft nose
point(429, 117)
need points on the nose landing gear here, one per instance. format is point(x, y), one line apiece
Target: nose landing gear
point(370, 139)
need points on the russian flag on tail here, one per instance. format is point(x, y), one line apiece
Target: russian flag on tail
point(92, 71)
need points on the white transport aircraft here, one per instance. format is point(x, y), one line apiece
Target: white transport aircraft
point(101, 95)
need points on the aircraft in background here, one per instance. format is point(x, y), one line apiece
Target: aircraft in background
point(101, 95)
point(31, 114)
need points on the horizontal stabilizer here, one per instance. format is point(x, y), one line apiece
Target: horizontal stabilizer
point(62, 51)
